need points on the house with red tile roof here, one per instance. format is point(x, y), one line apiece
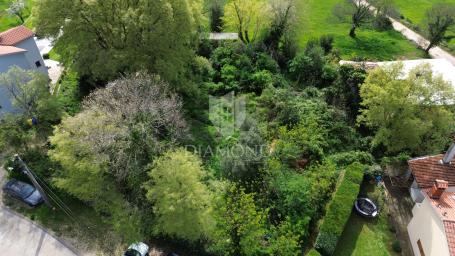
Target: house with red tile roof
point(432, 228)
point(18, 48)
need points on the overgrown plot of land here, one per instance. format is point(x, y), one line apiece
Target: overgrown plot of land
point(315, 18)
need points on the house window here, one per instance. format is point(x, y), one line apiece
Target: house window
point(38, 64)
point(419, 244)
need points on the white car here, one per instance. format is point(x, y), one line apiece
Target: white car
point(137, 249)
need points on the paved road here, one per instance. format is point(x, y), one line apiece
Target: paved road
point(19, 236)
point(435, 52)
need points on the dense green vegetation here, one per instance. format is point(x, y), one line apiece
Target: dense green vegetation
point(222, 148)
point(339, 209)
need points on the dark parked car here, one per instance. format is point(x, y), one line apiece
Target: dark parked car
point(23, 192)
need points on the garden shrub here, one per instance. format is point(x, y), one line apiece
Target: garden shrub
point(339, 209)
point(343, 159)
point(313, 252)
point(396, 246)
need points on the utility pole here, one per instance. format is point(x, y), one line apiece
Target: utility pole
point(28, 172)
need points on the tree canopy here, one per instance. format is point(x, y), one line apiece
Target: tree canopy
point(247, 17)
point(106, 38)
point(409, 113)
point(181, 201)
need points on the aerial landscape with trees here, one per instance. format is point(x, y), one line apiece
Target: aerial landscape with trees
point(253, 146)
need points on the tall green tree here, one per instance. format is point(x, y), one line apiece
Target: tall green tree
point(247, 17)
point(106, 38)
point(439, 19)
point(181, 201)
point(408, 113)
point(105, 149)
point(240, 224)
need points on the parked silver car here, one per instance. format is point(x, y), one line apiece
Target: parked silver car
point(137, 249)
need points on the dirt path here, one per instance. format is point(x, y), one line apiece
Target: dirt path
point(400, 207)
point(435, 52)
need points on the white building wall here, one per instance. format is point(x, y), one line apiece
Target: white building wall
point(18, 59)
point(33, 55)
point(427, 226)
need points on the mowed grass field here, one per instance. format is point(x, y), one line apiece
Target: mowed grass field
point(8, 21)
point(363, 236)
point(315, 18)
point(415, 10)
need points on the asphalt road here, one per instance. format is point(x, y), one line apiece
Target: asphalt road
point(20, 236)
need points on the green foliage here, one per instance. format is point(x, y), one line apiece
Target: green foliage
point(346, 91)
point(105, 149)
point(68, 92)
point(313, 252)
point(305, 140)
point(396, 246)
point(339, 209)
point(240, 226)
point(408, 114)
point(243, 161)
point(284, 241)
point(29, 92)
point(311, 68)
point(295, 115)
point(249, 18)
point(316, 19)
point(241, 68)
point(216, 10)
point(441, 17)
point(302, 197)
point(344, 159)
point(156, 37)
point(181, 201)
point(84, 173)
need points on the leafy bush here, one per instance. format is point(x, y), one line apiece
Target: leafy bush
point(345, 158)
point(326, 42)
point(313, 252)
point(302, 197)
point(311, 67)
point(339, 209)
point(396, 246)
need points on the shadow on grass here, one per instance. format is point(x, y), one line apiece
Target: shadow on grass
point(366, 236)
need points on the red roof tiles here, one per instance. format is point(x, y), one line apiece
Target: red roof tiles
point(427, 169)
point(445, 208)
point(7, 50)
point(449, 227)
point(15, 35)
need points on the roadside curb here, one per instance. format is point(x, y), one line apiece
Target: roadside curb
point(45, 230)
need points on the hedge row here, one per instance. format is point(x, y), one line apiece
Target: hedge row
point(339, 209)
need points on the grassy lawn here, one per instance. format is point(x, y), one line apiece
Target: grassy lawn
point(367, 236)
point(414, 11)
point(8, 21)
point(316, 19)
